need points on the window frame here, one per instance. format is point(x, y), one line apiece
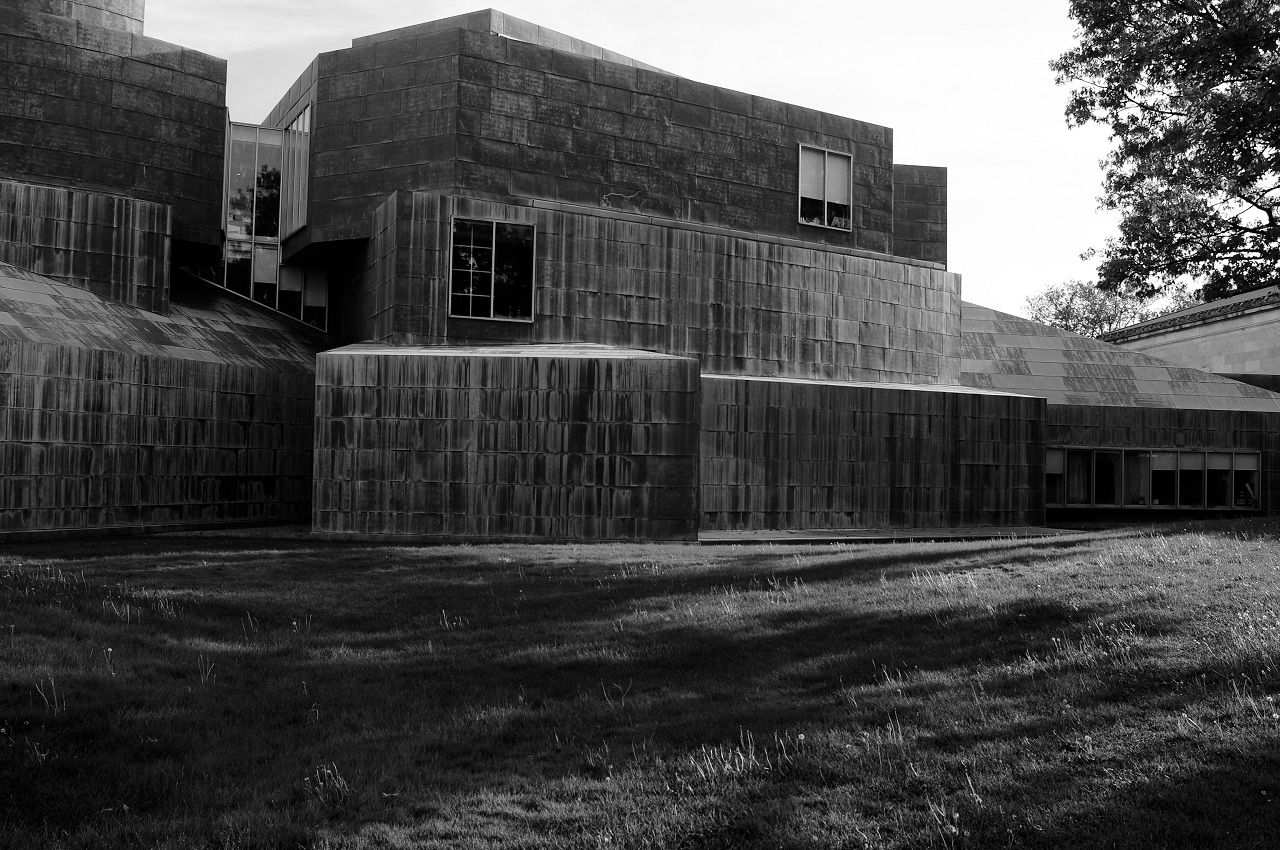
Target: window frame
point(533, 270)
point(1251, 470)
point(827, 153)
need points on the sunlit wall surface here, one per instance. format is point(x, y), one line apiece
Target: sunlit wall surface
point(266, 174)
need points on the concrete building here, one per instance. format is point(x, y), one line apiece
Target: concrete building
point(530, 289)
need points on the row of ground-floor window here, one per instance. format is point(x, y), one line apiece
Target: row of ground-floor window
point(1151, 479)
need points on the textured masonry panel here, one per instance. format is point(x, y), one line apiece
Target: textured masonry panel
point(114, 246)
point(113, 417)
point(109, 440)
point(790, 455)
point(737, 303)
point(1247, 343)
point(101, 107)
point(519, 119)
point(920, 212)
point(536, 443)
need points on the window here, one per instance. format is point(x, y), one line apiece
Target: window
point(491, 270)
point(1139, 478)
point(825, 188)
point(1164, 479)
point(1106, 478)
point(264, 176)
point(1079, 480)
point(1219, 480)
point(1191, 480)
point(1246, 481)
point(1054, 488)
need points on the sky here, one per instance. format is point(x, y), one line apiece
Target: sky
point(964, 85)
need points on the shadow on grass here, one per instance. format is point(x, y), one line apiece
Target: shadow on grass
point(434, 674)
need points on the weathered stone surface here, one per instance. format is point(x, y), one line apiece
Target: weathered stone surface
point(113, 418)
point(614, 134)
point(515, 443)
point(739, 305)
point(791, 455)
point(114, 246)
point(90, 103)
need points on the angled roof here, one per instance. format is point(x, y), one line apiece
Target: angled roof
point(1012, 354)
point(219, 329)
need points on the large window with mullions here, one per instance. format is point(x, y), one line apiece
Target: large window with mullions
point(1155, 479)
point(491, 270)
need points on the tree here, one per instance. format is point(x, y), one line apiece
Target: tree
point(1191, 92)
point(1082, 308)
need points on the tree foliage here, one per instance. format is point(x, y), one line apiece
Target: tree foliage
point(1082, 308)
point(1191, 92)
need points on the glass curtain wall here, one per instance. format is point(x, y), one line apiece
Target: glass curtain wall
point(265, 200)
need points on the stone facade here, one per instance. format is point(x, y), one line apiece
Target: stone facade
point(512, 443)
point(791, 455)
point(116, 419)
point(920, 212)
point(740, 304)
point(115, 246)
point(459, 107)
point(92, 104)
point(1238, 336)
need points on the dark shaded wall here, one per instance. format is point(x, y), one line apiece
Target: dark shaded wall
point(506, 444)
point(920, 212)
point(1084, 426)
point(114, 246)
point(107, 440)
point(103, 108)
point(794, 455)
point(739, 305)
point(466, 110)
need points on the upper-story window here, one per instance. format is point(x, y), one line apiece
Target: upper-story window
point(491, 270)
point(261, 167)
point(825, 188)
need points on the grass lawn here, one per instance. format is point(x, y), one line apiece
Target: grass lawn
point(1114, 689)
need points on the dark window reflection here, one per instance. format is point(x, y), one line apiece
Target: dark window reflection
point(1107, 472)
point(239, 267)
point(492, 270)
point(1079, 479)
point(241, 171)
point(513, 272)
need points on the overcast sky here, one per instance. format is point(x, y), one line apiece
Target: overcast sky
point(964, 85)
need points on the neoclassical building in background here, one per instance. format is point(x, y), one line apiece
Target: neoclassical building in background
point(478, 280)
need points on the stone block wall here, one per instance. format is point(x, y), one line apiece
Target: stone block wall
point(738, 303)
point(464, 109)
point(91, 103)
point(1240, 338)
point(532, 444)
point(808, 455)
point(111, 441)
point(115, 246)
point(920, 212)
